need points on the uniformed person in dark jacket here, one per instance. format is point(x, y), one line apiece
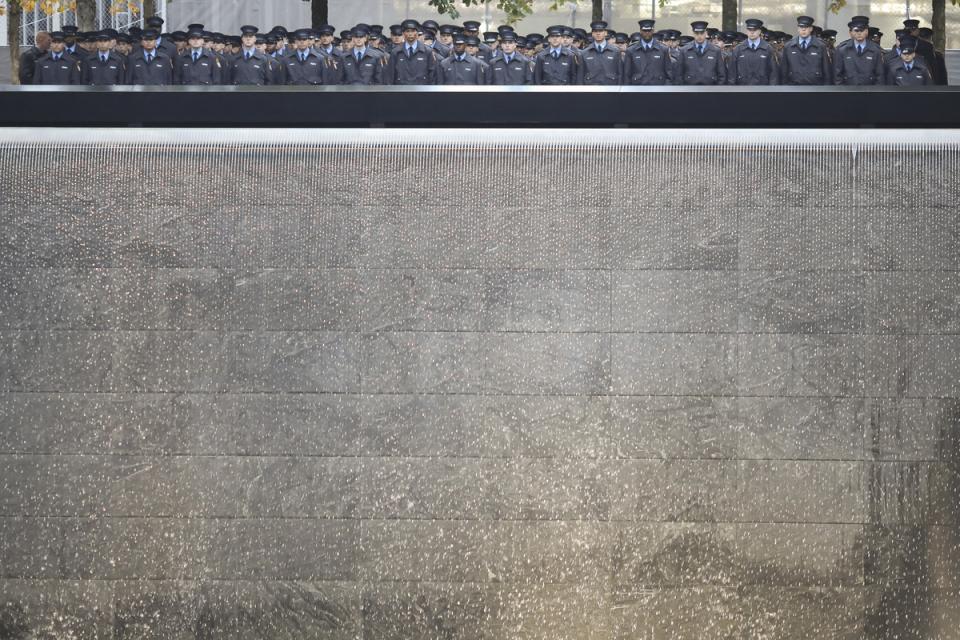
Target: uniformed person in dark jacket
point(164, 45)
point(461, 68)
point(148, 66)
point(909, 70)
point(858, 61)
point(332, 55)
point(105, 67)
point(71, 35)
point(939, 73)
point(701, 63)
point(753, 61)
point(56, 67)
point(363, 65)
point(557, 65)
point(305, 66)
point(804, 60)
point(249, 67)
point(28, 59)
point(602, 63)
point(925, 50)
point(197, 65)
point(648, 62)
point(508, 67)
point(412, 63)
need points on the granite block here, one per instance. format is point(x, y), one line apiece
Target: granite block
point(563, 427)
point(424, 611)
point(287, 610)
point(673, 364)
point(803, 428)
point(799, 302)
point(30, 548)
point(448, 551)
point(795, 365)
point(562, 489)
point(538, 237)
point(422, 300)
point(156, 361)
point(679, 301)
point(542, 363)
point(545, 300)
point(910, 429)
point(406, 362)
point(56, 609)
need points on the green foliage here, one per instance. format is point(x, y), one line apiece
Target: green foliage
point(515, 10)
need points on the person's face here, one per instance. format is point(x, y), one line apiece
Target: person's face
point(876, 39)
point(446, 39)
point(181, 46)
point(599, 35)
point(804, 32)
point(859, 34)
point(753, 34)
point(908, 57)
point(508, 47)
point(196, 43)
point(43, 41)
point(410, 36)
point(568, 41)
point(359, 42)
point(646, 34)
point(103, 46)
point(555, 41)
point(124, 48)
point(148, 44)
point(248, 40)
point(460, 48)
point(671, 43)
point(261, 47)
point(326, 40)
point(622, 46)
point(472, 49)
point(302, 44)
point(699, 37)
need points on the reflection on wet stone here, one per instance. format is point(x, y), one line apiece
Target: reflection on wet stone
point(701, 403)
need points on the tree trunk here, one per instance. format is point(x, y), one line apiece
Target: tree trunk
point(149, 8)
point(87, 15)
point(14, 15)
point(939, 24)
point(319, 12)
point(597, 10)
point(729, 20)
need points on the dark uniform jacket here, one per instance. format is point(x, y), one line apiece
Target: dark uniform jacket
point(158, 71)
point(854, 68)
point(333, 69)
point(278, 68)
point(256, 70)
point(66, 70)
point(707, 68)
point(419, 68)
point(308, 71)
point(753, 67)
point(164, 45)
point(602, 68)
point(368, 70)
point(206, 70)
point(99, 73)
point(918, 76)
point(562, 70)
point(470, 70)
point(805, 67)
point(518, 71)
point(928, 56)
point(648, 66)
point(27, 62)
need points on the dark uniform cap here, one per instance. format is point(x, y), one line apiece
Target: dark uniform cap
point(805, 21)
point(111, 33)
point(873, 31)
point(521, 42)
point(685, 40)
point(698, 26)
point(396, 30)
point(622, 38)
point(359, 32)
point(409, 24)
point(472, 41)
point(124, 38)
point(567, 31)
point(261, 39)
point(459, 39)
point(508, 36)
point(102, 35)
point(280, 31)
point(134, 31)
point(154, 21)
point(817, 31)
point(471, 25)
point(430, 24)
point(196, 26)
point(829, 33)
point(69, 30)
point(303, 34)
point(271, 38)
point(195, 33)
point(448, 29)
point(504, 27)
point(533, 39)
point(713, 32)
point(635, 36)
point(671, 34)
point(753, 23)
point(325, 30)
point(377, 29)
point(857, 24)
point(149, 34)
point(233, 40)
point(925, 32)
point(911, 24)
point(178, 36)
point(346, 34)
point(490, 36)
point(647, 25)
point(554, 31)
point(248, 29)
point(599, 25)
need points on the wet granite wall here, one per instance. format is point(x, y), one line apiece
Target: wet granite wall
point(421, 385)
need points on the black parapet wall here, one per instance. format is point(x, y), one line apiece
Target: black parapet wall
point(741, 107)
point(441, 384)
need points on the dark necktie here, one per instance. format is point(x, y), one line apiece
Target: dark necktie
point(909, 67)
point(196, 56)
point(556, 55)
point(247, 55)
point(700, 49)
point(303, 57)
point(860, 49)
point(149, 58)
point(803, 45)
point(508, 59)
point(103, 58)
point(409, 52)
point(56, 57)
point(359, 56)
